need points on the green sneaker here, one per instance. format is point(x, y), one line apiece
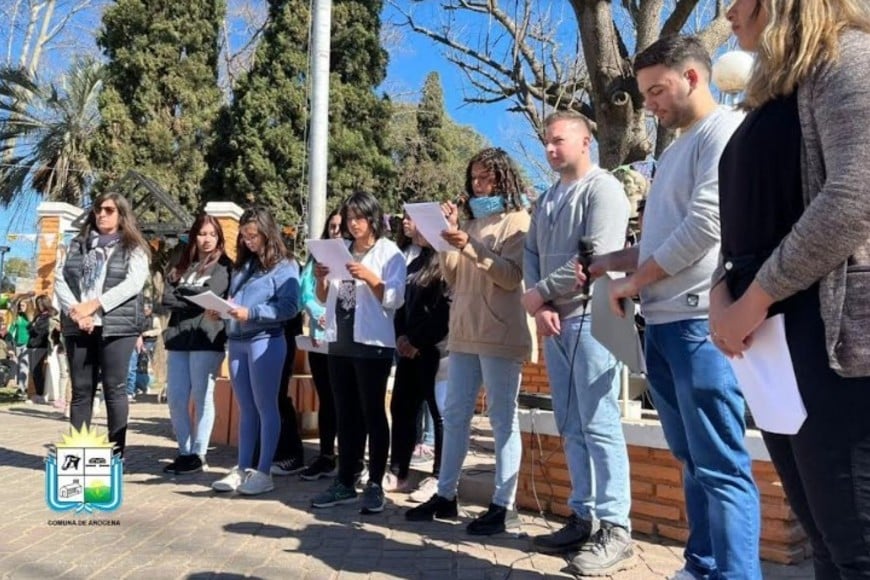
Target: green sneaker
point(337, 494)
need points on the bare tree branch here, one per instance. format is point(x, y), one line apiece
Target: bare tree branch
point(718, 30)
point(678, 18)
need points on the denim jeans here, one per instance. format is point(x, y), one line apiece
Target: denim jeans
point(191, 376)
point(702, 414)
point(584, 384)
point(501, 377)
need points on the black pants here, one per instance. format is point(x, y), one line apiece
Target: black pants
point(360, 389)
point(289, 442)
point(91, 359)
point(37, 369)
point(825, 467)
point(319, 364)
point(415, 383)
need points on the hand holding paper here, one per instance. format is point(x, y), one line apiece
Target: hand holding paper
point(430, 221)
point(334, 255)
point(210, 301)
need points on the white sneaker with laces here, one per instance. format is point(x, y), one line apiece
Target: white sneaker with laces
point(231, 481)
point(427, 488)
point(256, 483)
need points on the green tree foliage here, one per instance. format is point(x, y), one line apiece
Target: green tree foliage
point(45, 133)
point(261, 157)
point(429, 149)
point(16, 267)
point(161, 96)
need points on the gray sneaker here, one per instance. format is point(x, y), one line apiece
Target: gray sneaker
point(337, 494)
point(372, 499)
point(608, 551)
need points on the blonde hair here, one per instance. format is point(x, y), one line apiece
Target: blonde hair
point(800, 36)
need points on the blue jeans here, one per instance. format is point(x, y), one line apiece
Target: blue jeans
point(191, 376)
point(584, 383)
point(702, 414)
point(501, 377)
point(255, 370)
point(138, 381)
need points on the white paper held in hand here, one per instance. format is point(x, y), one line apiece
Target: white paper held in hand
point(211, 301)
point(430, 222)
point(766, 377)
point(334, 255)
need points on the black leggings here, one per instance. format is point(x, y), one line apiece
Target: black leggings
point(289, 441)
point(37, 369)
point(319, 364)
point(91, 359)
point(360, 389)
point(415, 383)
point(825, 467)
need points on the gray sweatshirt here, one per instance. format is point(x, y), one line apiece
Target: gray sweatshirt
point(594, 206)
point(681, 220)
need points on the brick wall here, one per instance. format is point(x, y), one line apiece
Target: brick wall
point(46, 258)
point(658, 507)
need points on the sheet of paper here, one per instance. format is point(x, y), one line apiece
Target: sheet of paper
point(334, 255)
point(618, 335)
point(766, 377)
point(307, 344)
point(430, 222)
point(211, 301)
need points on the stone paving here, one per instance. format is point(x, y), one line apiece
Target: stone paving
point(177, 527)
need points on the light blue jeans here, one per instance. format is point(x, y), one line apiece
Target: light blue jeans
point(501, 377)
point(702, 414)
point(255, 370)
point(191, 376)
point(584, 384)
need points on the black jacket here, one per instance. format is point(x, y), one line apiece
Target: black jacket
point(39, 331)
point(188, 328)
point(425, 315)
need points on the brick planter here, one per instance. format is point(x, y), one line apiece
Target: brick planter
point(658, 506)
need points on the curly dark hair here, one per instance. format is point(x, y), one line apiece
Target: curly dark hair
point(508, 182)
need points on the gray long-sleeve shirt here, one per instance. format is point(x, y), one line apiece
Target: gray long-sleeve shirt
point(681, 220)
point(595, 206)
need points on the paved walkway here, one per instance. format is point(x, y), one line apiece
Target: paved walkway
point(176, 527)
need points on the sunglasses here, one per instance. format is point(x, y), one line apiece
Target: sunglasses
point(106, 209)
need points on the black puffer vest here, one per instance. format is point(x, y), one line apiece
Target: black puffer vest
point(128, 319)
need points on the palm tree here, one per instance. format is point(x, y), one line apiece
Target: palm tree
point(45, 133)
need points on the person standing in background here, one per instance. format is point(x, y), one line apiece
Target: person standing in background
point(20, 336)
point(39, 344)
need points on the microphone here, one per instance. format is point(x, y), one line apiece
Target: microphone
point(585, 250)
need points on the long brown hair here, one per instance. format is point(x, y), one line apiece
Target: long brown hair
point(275, 250)
point(508, 181)
point(800, 36)
point(190, 254)
point(128, 227)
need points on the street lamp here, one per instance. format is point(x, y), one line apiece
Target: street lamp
point(3, 250)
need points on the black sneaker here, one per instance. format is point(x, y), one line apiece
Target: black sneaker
point(607, 552)
point(323, 466)
point(372, 499)
point(437, 507)
point(171, 467)
point(495, 520)
point(570, 538)
point(187, 464)
point(290, 466)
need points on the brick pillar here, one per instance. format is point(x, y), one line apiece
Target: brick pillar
point(55, 218)
point(227, 214)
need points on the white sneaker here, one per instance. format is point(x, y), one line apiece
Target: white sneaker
point(424, 492)
point(682, 575)
point(256, 483)
point(231, 481)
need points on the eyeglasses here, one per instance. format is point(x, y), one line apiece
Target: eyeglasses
point(106, 209)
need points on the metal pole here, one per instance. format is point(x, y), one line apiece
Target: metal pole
point(319, 143)
point(3, 250)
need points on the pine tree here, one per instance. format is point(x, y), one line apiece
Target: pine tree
point(161, 97)
point(261, 154)
point(430, 150)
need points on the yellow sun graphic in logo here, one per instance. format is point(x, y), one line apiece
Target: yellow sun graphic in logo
point(85, 437)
